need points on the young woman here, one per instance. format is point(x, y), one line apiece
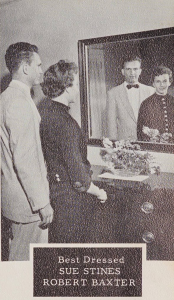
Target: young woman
point(157, 111)
point(65, 152)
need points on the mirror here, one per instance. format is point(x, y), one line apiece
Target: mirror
point(101, 65)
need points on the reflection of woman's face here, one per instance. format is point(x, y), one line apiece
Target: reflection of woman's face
point(161, 84)
point(73, 90)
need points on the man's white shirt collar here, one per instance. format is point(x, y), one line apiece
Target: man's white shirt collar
point(25, 87)
point(26, 90)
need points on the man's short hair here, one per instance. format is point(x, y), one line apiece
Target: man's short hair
point(16, 53)
point(160, 70)
point(131, 58)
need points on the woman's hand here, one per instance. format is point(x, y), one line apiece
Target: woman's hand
point(103, 196)
point(99, 193)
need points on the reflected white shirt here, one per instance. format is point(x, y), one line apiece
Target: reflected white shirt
point(134, 98)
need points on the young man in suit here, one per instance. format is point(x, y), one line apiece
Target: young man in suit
point(123, 102)
point(25, 190)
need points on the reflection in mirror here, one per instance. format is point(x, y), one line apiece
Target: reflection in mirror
point(107, 65)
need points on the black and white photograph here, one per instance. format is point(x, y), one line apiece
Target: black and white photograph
point(87, 149)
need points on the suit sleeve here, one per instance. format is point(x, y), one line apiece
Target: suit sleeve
point(77, 168)
point(111, 116)
point(27, 155)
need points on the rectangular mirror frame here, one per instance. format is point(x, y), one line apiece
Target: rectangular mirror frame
point(82, 57)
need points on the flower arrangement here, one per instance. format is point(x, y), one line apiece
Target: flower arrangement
point(156, 137)
point(125, 155)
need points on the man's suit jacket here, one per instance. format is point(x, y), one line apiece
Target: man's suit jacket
point(24, 184)
point(121, 122)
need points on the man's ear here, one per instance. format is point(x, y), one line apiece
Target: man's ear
point(25, 68)
point(140, 71)
point(122, 71)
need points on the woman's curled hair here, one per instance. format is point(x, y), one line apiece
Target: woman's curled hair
point(58, 77)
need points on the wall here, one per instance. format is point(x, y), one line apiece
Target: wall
point(55, 26)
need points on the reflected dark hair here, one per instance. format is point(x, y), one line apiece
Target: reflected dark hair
point(58, 77)
point(16, 53)
point(160, 70)
point(131, 58)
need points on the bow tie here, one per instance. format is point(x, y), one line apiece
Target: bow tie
point(129, 86)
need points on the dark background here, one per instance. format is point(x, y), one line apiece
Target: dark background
point(153, 52)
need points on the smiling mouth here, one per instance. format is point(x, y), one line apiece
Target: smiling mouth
point(162, 91)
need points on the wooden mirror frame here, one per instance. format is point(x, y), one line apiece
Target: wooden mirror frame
point(83, 58)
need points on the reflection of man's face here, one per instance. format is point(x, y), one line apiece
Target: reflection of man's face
point(161, 84)
point(131, 71)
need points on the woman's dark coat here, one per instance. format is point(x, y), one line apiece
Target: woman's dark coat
point(69, 173)
point(156, 112)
